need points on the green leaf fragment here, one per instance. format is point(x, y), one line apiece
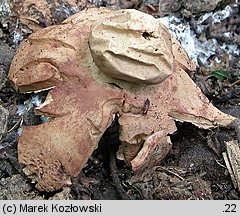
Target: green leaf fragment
point(220, 74)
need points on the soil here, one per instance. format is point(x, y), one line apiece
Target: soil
point(194, 168)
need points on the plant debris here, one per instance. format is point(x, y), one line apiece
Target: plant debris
point(231, 159)
point(171, 183)
point(3, 121)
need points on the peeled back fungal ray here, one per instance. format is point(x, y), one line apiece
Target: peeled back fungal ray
point(102, 62)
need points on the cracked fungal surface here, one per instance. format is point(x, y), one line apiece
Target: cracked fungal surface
point(93, 80)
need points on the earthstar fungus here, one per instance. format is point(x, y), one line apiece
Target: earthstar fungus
point(101, 63)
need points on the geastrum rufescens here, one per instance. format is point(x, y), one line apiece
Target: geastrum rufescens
point(101, 63)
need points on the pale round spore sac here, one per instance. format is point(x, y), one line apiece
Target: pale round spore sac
point(132, 46)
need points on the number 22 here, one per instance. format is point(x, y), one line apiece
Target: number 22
point(230, 208)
